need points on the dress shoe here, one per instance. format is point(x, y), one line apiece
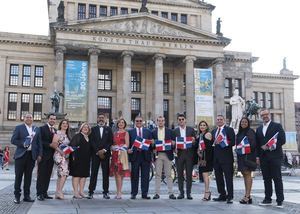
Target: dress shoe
point(106, 196)
point(47, 197)
point(156, 196)
point(265, 202)
point(180, 196)
point(146, 197)
point(189, 197)
point(172, 196)
point(40, 198)
point(90, 195)
point(17, 200)
point(28, 199)
point(279, 205)
point(133, 197)
point(220, 198)
point(229, 201)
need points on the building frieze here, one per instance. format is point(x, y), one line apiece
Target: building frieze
point(28, 43)
point(275, 76)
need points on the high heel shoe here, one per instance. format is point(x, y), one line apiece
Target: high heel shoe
point(246, 200)
point(207, 198)
point(59, 196)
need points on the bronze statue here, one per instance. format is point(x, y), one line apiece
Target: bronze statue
point(284, 63)
point(55, 101)
point(219, 26)
point(143, 7)
point(61, 12)
point(251, 108)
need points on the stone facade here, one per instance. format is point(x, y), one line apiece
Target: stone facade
point(113, 36)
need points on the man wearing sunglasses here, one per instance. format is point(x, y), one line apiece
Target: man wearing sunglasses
point(140, 159)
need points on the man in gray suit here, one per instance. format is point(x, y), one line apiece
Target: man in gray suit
point(185, 157)
point(28, 150)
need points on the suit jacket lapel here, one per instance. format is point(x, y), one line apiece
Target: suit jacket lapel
point(269, 130)
point(25, 129)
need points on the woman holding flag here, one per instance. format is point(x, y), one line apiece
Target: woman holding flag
point(245, 149)
point(205, 153)
point(60, 158)
point(119, 161)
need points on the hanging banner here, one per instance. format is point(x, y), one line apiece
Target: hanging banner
point(76, 82)
point(204, 105)
point(291, 141)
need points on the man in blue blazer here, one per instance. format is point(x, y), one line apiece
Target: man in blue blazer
point(164, 158)
point(270, 158)
point(28, 150)
point(223, 160)
point(140, 159)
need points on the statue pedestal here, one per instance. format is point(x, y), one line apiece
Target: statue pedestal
point(255, 124)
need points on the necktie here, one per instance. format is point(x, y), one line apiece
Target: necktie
point(51, 129)
point(218, 132)
point(140, 132)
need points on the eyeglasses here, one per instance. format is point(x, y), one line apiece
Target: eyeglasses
point(138, 121)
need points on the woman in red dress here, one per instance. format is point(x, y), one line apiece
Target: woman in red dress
point(119, 162)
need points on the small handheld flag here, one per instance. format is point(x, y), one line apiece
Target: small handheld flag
point(141, 143)
point(163, 145)
point(184, 142)
point(67, 149)
point(272, 143)
point(202, 145)
point(243, 147)
point(222, 139)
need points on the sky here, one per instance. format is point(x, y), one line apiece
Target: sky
point(269, 29)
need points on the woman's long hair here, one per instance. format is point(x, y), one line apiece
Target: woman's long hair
point(68, 129)
point(207, 129)
point(244, 129)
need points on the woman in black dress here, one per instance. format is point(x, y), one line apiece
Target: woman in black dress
point(80, 160)
point(205, 156)
point(243, 159)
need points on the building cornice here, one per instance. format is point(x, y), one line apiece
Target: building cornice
point(144, 36)
point(24, 39)
point(275, 76)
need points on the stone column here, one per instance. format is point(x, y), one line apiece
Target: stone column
point(93, 85)
point(59, 72)
point(219, 87)
point(126, 81)
point(190, 90)
point(158, 85)
point(3, 83)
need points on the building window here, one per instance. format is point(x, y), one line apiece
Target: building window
point(13, 74)
point(164, 14)
point(38, 76)
point(37, 107)
point(238, 85)
point(12, 106)
point(113, 11)
point(269, 100)
point(81, 11)
point(166, 112)
point(134, 10)
point(154, 12)
point(103, 11)
point(135, 81)
point(184, 107)
point(166, 83)
point(24, 105)
point(184, 84)
point(135, 107)
point(228, 112)
point(174, 17)
point(26, 75)
point(104, 80)
point(262, 99)
point(228, 87)
point(104, 102)
point(183, 18)
point(92, 11)
point(255, 96)
point(124, 10)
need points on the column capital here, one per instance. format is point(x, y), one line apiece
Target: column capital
point(189, 59)
point(60, 49)
point(94, 51)
point(159, 56)
point(219, 60)
point(127, 53)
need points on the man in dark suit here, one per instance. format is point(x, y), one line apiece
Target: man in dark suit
point(101, 139)
point(223, 159)
point(140, 159)
point(185, 157)
point(45, 166)
point(164, 158)
point(270, 158)
point(28, 150)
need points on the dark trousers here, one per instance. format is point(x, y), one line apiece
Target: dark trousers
point(221, 170)
point(96, 161)
point(271, 170)
point(185, 162)
point(140, 164)
point(23, 166)
point(43, 176)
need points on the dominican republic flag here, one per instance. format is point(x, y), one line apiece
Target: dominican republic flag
point(163, 145)
point(27, 141)
point(67, 149)
point(141, 143)
point(119, 148)
point(184, 142)
point(202, 145)
point(222, 139)
point(243, 147)
point(271, 144)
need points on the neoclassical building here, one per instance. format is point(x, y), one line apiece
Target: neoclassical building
point(110, 56)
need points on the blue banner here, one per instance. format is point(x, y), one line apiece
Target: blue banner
point(76, 83)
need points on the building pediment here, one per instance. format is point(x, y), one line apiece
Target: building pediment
point(142, 24)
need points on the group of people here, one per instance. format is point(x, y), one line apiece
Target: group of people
point(130, 152)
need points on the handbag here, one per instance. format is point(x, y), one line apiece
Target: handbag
point(250, 163)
